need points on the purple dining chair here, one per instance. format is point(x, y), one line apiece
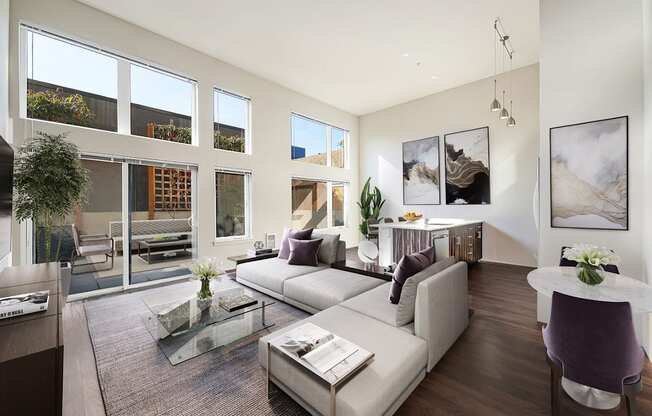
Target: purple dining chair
point(563, 262)
point(593, 343)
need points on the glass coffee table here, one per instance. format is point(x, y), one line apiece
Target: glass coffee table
point(186, 327)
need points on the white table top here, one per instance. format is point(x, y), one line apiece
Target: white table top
point(431, 224)
point(614, 288)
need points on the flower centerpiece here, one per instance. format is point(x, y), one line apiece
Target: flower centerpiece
point(205, 270)
point(590, 261)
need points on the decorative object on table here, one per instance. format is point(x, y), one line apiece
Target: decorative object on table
point(589, 175)
point(467, 167)
point(503, 39)
point(367, 252)
point(421, 172)
point(412, 216)
point(24, 304)
point(48, 202)
point(270, 240)
point(602, 364)
point(233, 303)
point(205, 270)
point(564, 262)
point(259, 248)
point(371, 202)
point(258, 245)
point(590, 261)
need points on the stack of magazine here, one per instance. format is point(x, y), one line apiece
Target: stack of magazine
point(319, 348)
point(26, 303)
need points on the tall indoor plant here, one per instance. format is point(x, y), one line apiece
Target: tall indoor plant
point(49, 181)
point(371, 202)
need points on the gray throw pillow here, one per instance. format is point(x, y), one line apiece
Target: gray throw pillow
point(328, 250)
point(303, 252)
point(406, 304)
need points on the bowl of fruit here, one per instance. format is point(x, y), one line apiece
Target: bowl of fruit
point(412, 216)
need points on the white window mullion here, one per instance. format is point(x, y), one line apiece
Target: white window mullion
point(23, 63)
point(124, 97)
point(126, 226)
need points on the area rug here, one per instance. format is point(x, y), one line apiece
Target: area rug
point(137, 379)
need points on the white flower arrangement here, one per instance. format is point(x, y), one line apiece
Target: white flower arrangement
point(205, 269)
point(591, 255)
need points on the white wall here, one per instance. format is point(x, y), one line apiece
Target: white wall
point(271, 108)
point(4, 88)
point(591, 71)
point(591, 67)
point(510, 234)
point(647, 209)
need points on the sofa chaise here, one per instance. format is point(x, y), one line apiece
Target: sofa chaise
point(356, 307)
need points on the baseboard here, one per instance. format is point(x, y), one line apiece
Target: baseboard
point(493, 261)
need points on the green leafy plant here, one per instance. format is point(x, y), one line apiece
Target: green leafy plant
point(371, 202)
point(232, 143)
point(49, 181)
point(172, 133)
point(59, 107)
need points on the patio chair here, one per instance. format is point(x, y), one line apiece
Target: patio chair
point(91, 245)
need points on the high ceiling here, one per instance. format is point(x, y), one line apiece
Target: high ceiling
point(348, 53)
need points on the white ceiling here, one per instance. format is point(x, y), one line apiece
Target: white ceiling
point(348, 53)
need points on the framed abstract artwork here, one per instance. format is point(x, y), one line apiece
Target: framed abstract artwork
point(421, 172)
point(467, 167)
point(589, 175)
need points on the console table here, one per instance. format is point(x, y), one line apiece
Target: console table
point(31, 350)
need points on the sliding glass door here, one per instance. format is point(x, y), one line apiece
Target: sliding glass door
point(161, 221)
point(135, 228)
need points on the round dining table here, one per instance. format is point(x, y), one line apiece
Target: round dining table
point(614, 288)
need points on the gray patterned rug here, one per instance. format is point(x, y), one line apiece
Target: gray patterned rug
point(137, 379)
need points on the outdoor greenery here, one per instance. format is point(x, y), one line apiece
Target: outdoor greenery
point(371, 202)
point(232, 143)
point(59, 107)
point(49, 181)
point(172, 133)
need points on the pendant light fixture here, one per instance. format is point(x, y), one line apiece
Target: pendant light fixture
point(500, 37)
point(504, 114)
point(495, 104)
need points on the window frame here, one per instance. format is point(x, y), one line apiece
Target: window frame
point(123, 80)
point(329, 200)
point(248, 129)
point(248, 176)
point(329, 140)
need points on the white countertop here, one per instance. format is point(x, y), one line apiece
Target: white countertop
point(430, 224)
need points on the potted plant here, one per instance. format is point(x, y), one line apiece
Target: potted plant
point(205, 270)
point(49, 181)
point(590, 261)
point(371, 202)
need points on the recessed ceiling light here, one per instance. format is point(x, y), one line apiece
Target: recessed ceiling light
point(405, 55)
point(434, 77)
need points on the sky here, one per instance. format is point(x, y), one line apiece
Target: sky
point(61, 63)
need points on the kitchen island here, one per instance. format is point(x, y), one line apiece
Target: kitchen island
point(455, 237)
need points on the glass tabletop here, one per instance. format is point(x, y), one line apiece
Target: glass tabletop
point(185, 326)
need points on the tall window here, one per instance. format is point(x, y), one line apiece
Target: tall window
point(317, 204)
point(71, 84)
point(161, 105)
point(232, 204)
point(317, 142)
point(231, 121)
point(75, 83)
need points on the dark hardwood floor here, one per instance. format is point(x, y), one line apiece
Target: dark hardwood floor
point(497, 367)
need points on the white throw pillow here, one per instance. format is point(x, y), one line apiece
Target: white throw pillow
point(406, 304)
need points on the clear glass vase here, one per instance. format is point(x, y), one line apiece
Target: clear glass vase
point(205, 290)
point(591, 275)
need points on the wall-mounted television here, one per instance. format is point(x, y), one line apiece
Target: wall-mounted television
point(6, 189)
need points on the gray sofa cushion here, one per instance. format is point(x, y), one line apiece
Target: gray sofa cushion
point(271, 273)
point(399, 361)
point(405, 310)
point(374, 304)
point(328, 250)
point(327, 287)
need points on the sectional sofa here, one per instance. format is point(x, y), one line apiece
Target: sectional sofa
point(356, 307)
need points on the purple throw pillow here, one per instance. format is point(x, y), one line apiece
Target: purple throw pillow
point(284, 251)
point(409, 265)
point(304, 252)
